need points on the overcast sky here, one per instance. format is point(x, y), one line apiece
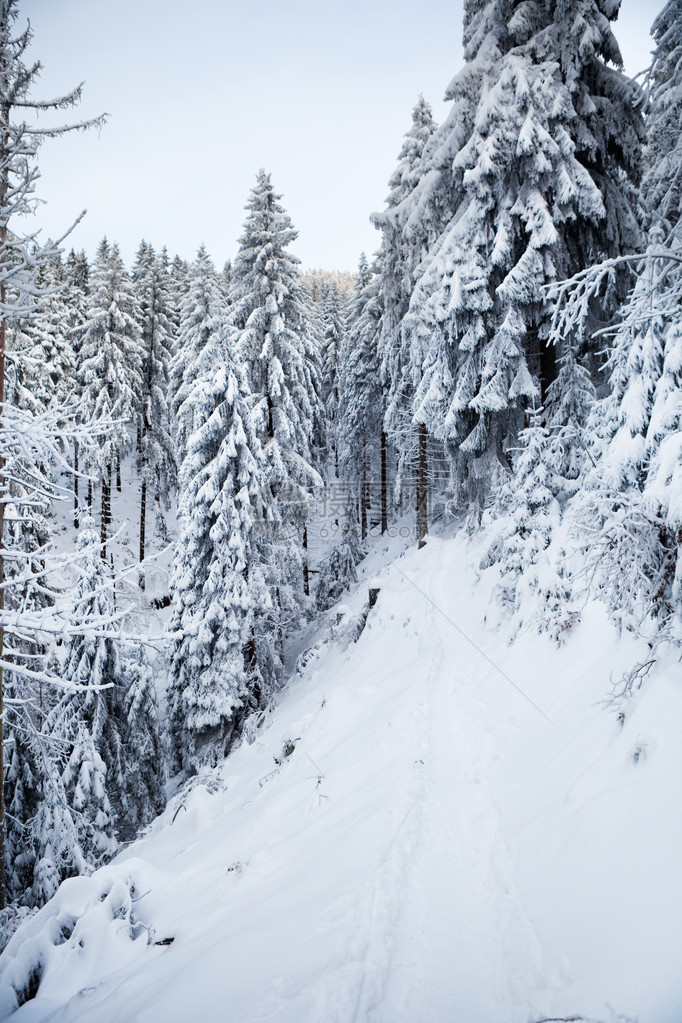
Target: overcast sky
point(202, 94)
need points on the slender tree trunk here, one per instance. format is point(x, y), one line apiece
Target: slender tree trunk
point(306, 580)
point(4, 186)
point(143, 516)
point(3, 296)
point(422, 488)
point(384, 485)
point(90, 496)
point(106, 509)
point(280, 630)
point(363, 510)
point(118, 473)
point(75, 485)
point(547, 367)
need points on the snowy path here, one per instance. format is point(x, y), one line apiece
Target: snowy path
point(461, 883)
point(430, 851)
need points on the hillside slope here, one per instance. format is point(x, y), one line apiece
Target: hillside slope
point(430, 826)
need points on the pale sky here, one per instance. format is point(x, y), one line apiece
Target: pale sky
point(202, 94)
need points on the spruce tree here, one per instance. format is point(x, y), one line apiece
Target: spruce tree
point(218, 670)
point(361, 423)
point(200, 317)
point(398, 258)
point(276, 342)
point(634, 492)
point(110, 368)
point(87, 722)
point(156, 455)
point(533, 176)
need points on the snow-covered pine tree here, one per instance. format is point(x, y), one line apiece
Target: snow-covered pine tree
point(333, 349)
point(276, 342)
point(532, 589)
point(200, 317)
point(77, 274)
point(338, 570)
point(225, 279)
point(110, 368)
point(155, 447)
point(662, 181)
point(399, 255)
point(220, 667)
point(141, 739)
point(51, 355)
point(534, 176)
point(631, 508)
point(362, 419)
point(87, 723)
point(27, 698)
point(26, 440)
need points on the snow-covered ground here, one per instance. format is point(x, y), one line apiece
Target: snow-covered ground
point(431, 825)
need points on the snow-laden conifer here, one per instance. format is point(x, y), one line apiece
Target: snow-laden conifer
point(338, 569)
point(276, 342)
point(400, 253)
point(156, 453)
point(200, 318)
point(217, 673)
point(532, 589)
point(110, 368)
point(87, 722)
point(530, 180)
point(362, 417)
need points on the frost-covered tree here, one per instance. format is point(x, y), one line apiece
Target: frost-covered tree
point(156, 455)
point(630, 511)
point(200, 318)
point(662, 182)
point(141, 740)
point(218, 670)
point(50, 354)
point(532, 588)
point(333, 351)
point(338, 569)
point(77, 274)
point(400, 253)
point(361, 421)
point(88, 719)
point(110, 368)
point(20, 259)
point(530, 178)
point(276, 342)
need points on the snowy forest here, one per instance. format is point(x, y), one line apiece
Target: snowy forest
point(196, 462)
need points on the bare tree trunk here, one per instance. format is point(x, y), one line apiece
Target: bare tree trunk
point(90, 495)
point(280, 630)
point(363, 511)
point(306, 580)
point(106, 509)
point(384, 485)
point(3, 296)
point(75, 486)
point(143, 516)
point(422, 488)
point(118, 473)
